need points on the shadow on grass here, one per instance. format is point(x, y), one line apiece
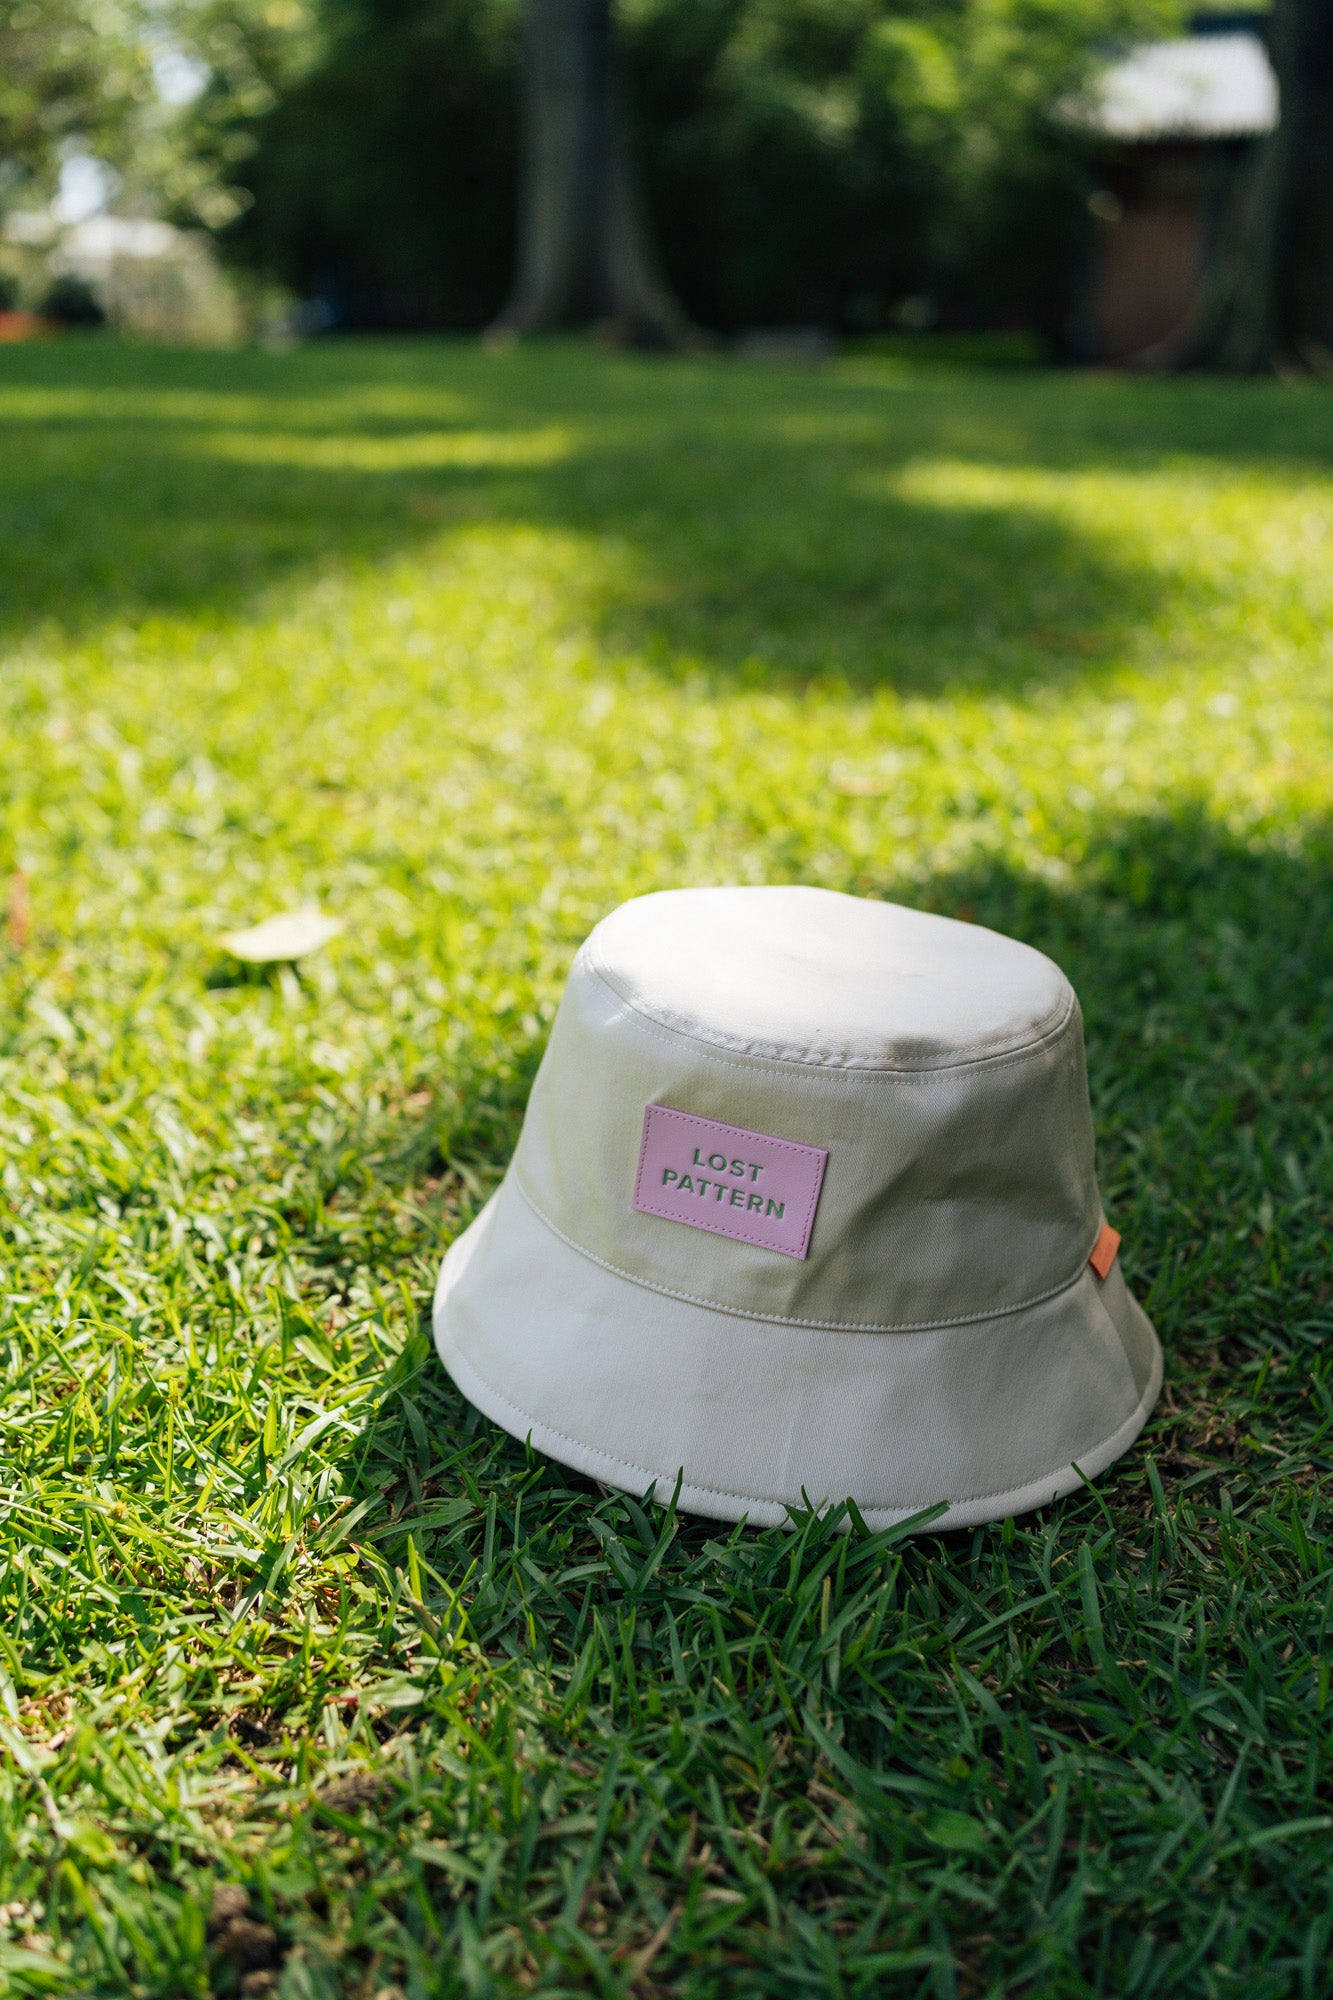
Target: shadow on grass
point(771, 526)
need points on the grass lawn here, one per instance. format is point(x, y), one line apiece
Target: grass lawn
point(466, 649)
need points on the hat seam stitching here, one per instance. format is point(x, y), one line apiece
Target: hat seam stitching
point(786, 1319)
point(774, 1499)
point(1026, 1051)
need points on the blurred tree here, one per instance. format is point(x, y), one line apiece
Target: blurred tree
point(71, 71)
point(1273, 302)
point(584, 252)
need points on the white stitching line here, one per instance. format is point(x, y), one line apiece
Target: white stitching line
point(844, 1075)
point(697, 1220)
point(623, 1465)
point(820, 1060)
point(785, 1319)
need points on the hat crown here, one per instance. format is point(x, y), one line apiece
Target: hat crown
point(938, 1065)
point(806, 975)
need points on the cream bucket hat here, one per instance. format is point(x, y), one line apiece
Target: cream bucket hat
point(804, 1208)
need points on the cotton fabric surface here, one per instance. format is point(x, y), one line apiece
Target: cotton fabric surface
point(914, 1097)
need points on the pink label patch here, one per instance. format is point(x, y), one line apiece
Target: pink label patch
point(736, 1183)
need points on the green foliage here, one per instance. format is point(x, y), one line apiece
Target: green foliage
point(780, 182)
point(467, 648)
point(823, 158)
point(81, 72)
point(248, 55)
point(69, 69)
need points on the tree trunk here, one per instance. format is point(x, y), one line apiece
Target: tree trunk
point(1271, 300)
point(584, 255)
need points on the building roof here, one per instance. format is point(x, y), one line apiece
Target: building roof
point(1212, 86)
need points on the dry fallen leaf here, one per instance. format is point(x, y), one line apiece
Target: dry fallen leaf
point(279, 940)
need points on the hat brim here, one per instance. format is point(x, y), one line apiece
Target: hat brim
point(639, 1388)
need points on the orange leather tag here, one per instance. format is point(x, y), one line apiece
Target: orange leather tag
point(1103, 1254)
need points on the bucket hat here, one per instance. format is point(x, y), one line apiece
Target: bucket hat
point(804, 1208)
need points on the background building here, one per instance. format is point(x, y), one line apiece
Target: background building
point(1177, 127)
